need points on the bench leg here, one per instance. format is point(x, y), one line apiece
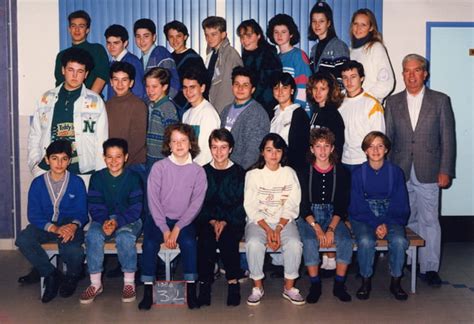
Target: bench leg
point(413, 268)
point(168, 256)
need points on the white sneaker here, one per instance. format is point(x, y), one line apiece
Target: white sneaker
point(255, 296)
point(294, 296)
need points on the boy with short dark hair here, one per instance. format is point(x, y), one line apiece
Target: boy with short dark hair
point(202, 115)
point(116, 37)
point(177, 34)
point(127, 113)
point(361, 112)
point(57, 211)
point(70, 112)
point(154, 55)
point(115, 200)
point(221, 59)
point(246, 119)
point(79, 28)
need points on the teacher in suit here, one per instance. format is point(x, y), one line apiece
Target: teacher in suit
point(420, 123)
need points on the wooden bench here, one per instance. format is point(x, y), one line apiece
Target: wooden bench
point(168, 255)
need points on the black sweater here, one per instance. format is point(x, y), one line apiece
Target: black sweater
point(322, 190)
point(224, 196)
point(330, 117)
point(298, 140)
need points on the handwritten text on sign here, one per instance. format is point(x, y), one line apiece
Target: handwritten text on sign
point(170, 293)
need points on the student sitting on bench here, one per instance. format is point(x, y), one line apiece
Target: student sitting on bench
point(115, 204)
point(57, 211)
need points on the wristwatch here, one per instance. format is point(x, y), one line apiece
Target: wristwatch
point(313, 224)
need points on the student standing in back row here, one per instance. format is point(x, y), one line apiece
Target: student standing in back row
point(116, 37)
point(202, 115)
point(361, 113)
point(177, 34)
point(221, 59)
point(283, 32)
point(154, 55)
point(79, 28)
point(330, 52)
point(368, 49)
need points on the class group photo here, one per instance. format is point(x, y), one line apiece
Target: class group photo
point(239, 161)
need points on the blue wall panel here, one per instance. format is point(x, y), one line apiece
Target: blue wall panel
point(125, 12)
point(263, 10)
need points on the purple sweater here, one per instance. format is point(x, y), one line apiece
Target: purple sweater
point(175, 192)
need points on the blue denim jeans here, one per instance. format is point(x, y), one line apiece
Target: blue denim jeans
point(342, 238)
point(153, 237)
point(125, 239)
point(397, 246)
point(29, 242)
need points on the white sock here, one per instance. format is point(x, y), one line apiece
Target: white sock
point(129, 278)
point(331, 265)
point(325, 262)
point(96, 280)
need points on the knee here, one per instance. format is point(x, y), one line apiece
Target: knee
point(94, 236)
point(399, 242)
point(25, 237)
point(125, 240)
point(22, 239)
point(293, 246)
point(365, 242)
point(253, 244)
point(187, 243)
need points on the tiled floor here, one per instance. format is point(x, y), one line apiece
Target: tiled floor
point(452, 303)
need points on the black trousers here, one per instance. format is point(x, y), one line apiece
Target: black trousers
point(228, 246)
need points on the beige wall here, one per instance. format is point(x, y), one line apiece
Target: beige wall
point(404, 25)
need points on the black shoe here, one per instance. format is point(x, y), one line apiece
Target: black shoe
point(68, 286)
point(51, 284)
point(433, 279)
point(396, 289)
point(147, 300)
point(30, 278)
point(364, 291)
point(339, 290)
point(204, 298)
point(191, 295)
point(314, 293)
point(233, 294)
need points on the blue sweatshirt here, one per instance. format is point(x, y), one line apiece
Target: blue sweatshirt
point(376, 186)
point(71, 207)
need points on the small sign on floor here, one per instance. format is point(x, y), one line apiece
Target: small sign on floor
point(169, 293)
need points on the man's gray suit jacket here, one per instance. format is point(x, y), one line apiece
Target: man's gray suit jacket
point(431, 147)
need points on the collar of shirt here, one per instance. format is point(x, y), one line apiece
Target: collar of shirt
point(146, 56)
point(229, 164)
point(120, 56)
point(189, 160)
